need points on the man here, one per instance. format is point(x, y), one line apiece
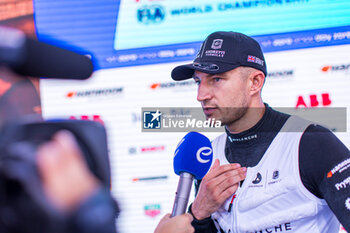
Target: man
point(273, 172)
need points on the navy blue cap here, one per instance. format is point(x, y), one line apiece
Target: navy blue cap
point(221, 52)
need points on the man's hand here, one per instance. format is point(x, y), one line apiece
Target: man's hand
point(177, 224)
point(66, 179)
point(216, 186)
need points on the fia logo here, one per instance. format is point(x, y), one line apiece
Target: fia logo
point(257, 179)
point(152, 120)
point(217, 44)
point(150, 14)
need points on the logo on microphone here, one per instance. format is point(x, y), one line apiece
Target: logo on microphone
point(205, 151)
point(152, 120)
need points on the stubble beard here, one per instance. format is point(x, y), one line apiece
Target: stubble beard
point(232, 115)
point(228, 115)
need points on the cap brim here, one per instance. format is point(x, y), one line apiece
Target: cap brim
point(184, 72)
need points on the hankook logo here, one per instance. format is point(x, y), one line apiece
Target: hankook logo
point(339, 168)
point(95, 93)
point(335, 68)
point(167, 85)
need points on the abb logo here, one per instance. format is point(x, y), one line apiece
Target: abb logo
point(314, 101)
point(96, 118)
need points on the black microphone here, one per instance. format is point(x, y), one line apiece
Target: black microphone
point(193, 157)
point(29, 57)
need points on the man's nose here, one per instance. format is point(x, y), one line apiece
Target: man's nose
point(204, 92)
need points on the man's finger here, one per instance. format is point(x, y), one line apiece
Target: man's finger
point(189, 216)
point(217, 171)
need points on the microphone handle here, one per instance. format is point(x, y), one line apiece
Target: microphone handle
point(182, 194)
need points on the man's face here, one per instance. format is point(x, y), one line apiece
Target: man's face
point(224, 96)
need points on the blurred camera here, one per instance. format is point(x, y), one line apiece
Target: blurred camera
point(23, 205)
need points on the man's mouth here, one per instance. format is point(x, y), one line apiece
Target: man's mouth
point(209, 110)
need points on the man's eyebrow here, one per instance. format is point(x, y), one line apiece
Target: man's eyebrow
point(209, 75)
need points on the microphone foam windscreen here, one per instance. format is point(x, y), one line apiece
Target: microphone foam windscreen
point(29, 57)
point(194, 155)
point(44, 60)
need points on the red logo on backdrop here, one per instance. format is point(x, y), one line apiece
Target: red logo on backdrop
point(326, 68)
point(155, 85)
point(148, 149)
point(96, 118)
point(152, 148)
point(71, 94)
point(314, 101)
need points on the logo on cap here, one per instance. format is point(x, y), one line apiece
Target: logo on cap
point(217, 43)
point(255, 59)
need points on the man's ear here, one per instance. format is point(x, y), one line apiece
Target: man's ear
point(256, 79)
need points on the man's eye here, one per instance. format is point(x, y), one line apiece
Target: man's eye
point(217, 79)
point(197, 81)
